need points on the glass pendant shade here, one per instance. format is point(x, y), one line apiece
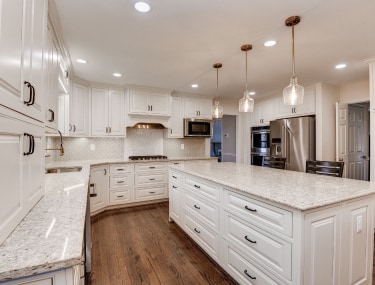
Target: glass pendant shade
point(293, 93)
point(246, 103)
point(217, 110)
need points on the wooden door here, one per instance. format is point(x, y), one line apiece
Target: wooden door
point(342, 134)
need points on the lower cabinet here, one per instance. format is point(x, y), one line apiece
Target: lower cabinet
point(99, 180)
point(260, 242)
point(121, 184)
point(150, 181)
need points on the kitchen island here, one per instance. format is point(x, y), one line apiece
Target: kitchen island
point(276, 226)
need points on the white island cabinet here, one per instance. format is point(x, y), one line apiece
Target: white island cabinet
point(270, 226)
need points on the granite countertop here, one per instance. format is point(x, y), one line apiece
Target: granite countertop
point(50, 237)
point(299, 190)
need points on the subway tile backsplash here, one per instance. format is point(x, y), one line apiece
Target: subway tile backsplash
point(137, 142)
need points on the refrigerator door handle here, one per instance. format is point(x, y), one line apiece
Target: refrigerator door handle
point(288, 135)
point(283, 141)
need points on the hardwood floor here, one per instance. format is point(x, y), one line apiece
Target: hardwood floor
point(138, 245)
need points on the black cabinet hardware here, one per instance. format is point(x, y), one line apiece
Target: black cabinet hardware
point(250, 209)
point(248, 275)
point(195, 229)
point(174, 187)
point(197, 186)
point(196, 207)
point(249, 240)
point(52, 116)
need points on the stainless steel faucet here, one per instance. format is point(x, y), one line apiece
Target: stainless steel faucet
point(61, 148)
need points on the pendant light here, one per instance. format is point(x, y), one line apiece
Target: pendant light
point(217, 110)
point(246, 103)
point(293, 93)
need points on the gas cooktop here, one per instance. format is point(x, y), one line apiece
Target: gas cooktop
point(148, 157)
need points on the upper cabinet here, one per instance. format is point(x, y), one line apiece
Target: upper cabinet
point(149, 102)
point(23, 26)
point(263, 112)
point(79, 110)
point(51, 62)
point(197, 108)
point(306, 108)
point(176, 129)
point(107, 112)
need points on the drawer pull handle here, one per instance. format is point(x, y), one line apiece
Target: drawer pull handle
point(120, 196)
point(195, 229)
point(197, 186)
point(249, 240)
point(151, 179)
point(152, 192)
point(176, 163)
point(93, 195)
point(174, 176)
point(151, 167)
point(249, 209)
point(196, 207)
point(174, 187)
point(122, 181)
point(248, 275)
point(120, 169)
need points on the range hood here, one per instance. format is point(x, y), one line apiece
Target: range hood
point(145, 125)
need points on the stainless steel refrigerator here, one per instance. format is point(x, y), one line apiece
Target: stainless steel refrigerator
point(294, 139)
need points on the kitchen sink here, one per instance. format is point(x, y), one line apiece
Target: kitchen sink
point(64, 169)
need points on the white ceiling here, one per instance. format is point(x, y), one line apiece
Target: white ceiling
point(178, 41)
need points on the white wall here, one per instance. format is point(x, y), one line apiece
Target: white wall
point(355, 92)
point(326, 98)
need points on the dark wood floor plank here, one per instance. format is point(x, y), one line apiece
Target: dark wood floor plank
point(138, 246)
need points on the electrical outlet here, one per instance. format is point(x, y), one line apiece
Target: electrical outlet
point(92, 147)
point(359, 223)
point(182, 146)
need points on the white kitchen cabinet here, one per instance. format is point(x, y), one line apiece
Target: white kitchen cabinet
point(176, 129)
point(263, 112)
point(22, 168)
point(121, 184)
point(150, 181)
point(148, 102)
point(197, 108)
point(51, 67)
point(79, 110)
point(107, 112)
point(306, 108)
point(175, 196)
point(63, 114)
point(23, 27)
point(99, 183)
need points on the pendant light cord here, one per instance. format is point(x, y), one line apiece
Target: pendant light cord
point(217, 83)
point(293, 61)
point(246, 73)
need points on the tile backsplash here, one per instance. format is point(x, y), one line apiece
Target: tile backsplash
point(137, 142)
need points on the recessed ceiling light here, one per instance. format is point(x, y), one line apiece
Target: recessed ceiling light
point(80, 60)
point(142, 7)
point(252, 92)
point(269, 43)
point(194, 85)
point(340, 66)
point(117, 74)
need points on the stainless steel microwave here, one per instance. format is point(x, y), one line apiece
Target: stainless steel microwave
point(197, 127)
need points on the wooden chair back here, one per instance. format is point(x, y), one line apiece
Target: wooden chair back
point(330, 168)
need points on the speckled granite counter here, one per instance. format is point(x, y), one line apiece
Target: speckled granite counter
point(50, 237)
point(302, 191)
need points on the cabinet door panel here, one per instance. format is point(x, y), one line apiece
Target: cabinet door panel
point(99, 188)
point(159, 104)
point(79, 110)
point(138, 103)
point(10, 53)
point(99, 112)
point(116, 120)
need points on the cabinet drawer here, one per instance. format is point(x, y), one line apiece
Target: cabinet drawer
point(259, 213)
point(272, 252)
point(150, 166)
point(207, 213)
point(202, 187)
point(175, 177)
point(121, 168)
point(119, 197)
point(149, 179)
point(121, 181)
point(207, 239)
point(143, 194)
point(243, 270)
